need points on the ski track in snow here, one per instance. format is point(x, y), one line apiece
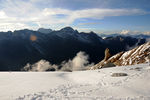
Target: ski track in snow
point(96, 85)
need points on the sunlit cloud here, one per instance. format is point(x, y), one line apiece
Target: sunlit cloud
point(129, 32)
point(26, 12)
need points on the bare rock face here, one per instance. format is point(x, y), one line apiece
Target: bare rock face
point(107, 54)
point(103, 62)
point(137, 55)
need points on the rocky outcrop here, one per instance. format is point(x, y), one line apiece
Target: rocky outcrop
point(137, 55)
point(107, 54)
point(119, 74)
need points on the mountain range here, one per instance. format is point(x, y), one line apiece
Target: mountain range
point(27, 46)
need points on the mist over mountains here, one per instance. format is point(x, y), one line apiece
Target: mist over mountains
point(27, 46)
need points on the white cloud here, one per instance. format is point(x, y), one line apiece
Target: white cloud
point(100, 13)
point(2, 15)
point(23, 12)
point(147, 33)
point(128, 32)
point(40, 66)
point(79, 62)
point(12, 26)
point(124, 32)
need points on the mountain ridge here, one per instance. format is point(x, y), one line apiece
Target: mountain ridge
point(137, 55)
point(27, 46)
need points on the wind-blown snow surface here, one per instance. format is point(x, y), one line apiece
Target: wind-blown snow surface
point(77, 85)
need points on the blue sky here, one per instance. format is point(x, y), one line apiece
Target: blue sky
point(100, 16)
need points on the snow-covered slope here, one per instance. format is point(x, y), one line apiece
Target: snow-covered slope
point(78, 85)
point(137, 55)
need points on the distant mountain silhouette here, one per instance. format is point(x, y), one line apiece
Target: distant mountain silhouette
point(43, 30)
point(27, 46)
